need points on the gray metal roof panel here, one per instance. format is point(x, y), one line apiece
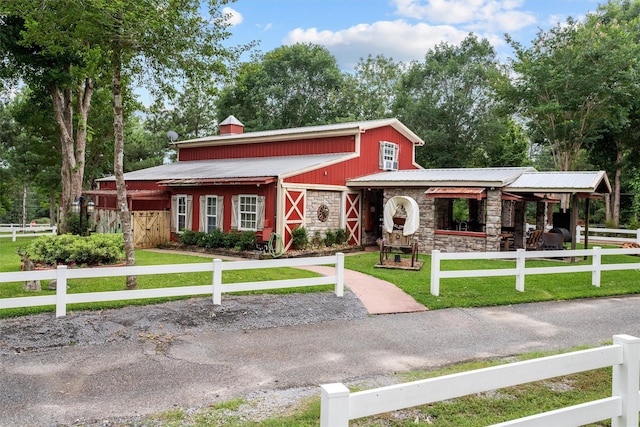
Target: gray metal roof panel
point(355, 127)
point(573, 181)
point(453, 176)
point(231, 168)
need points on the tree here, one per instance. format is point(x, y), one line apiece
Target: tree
point(373, 88)
point(42, 44)
point(618, 43)
point(291, 86)
point(158, 45)
point(449, 101)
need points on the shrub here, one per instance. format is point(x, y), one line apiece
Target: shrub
point(341, 236)
point(95, 249)
point(190, 238)
point(215, 239)
point(247, 240)
point(299, 237)
point(329, 238)
point(231, 240)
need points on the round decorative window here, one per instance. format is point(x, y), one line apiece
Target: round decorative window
point(323, 212)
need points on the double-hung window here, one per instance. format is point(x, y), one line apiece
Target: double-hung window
point(181, 213)
point(388, 157)
point(211, 213)
point(248, 212)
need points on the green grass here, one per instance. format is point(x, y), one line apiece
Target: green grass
point(10, 261)
point(491, 291)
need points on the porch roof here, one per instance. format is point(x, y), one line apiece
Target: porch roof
point(454, 177)
point(561, 182)
point(198, 171)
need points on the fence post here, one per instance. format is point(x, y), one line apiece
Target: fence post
point(520, 267)
point(626, 381)
point(435, 272)
point(339, 289)
point(61, 291)
point(334, 405)
point(638, 236)
point(54, 230)
point(217, 281)
point(597, 262)
point(578, 230)
point(13, 234)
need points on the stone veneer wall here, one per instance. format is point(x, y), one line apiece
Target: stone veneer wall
point(428, 240)
point(425, 231)
point(494, 220)
point(333, 200)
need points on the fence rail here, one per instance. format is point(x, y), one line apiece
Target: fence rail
point(521, 271)
point(15, 232)
point(593, 235)
point(339, 405)
point(62, 274)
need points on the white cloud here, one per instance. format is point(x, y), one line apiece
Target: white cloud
point(489, 15)
point(234, 17)
point(397, 39)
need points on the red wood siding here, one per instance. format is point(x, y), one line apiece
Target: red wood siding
point(366, 164)
point(227, 191)
point(270, 149)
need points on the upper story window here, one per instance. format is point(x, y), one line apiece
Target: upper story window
point(388, 156)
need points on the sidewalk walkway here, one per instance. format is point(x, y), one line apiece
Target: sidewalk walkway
point(378, 296)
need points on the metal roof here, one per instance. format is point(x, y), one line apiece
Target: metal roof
point(561, 182)
point(338, 129)
point(232, 168)
point(454, 177)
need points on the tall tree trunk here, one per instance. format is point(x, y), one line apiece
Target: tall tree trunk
point(52, 208)
point(73, 150)
point(617, 177)
point(24, 204)
point(118, 166)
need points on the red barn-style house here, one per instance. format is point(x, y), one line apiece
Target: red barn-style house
point(270, 181)
point(341, 176)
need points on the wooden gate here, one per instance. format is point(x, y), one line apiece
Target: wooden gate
point(352, 214)
point(293, 214)
point(150, 228)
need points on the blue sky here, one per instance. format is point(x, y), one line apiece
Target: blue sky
point(401, 29)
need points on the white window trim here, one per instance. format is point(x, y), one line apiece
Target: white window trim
point(386, 161)
point(240, 212)
point(235, 212)
point(176, 214)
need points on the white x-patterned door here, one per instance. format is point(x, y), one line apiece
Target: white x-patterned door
point(352, 217)
point(293, 213)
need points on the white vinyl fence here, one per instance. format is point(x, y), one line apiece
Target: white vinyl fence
point(520, 270)
point(598, 234)
point(14, 231)
point(62, 274)
point(339, 405)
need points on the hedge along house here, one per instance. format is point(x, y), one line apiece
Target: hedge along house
point(270, 181)
point(485, 209)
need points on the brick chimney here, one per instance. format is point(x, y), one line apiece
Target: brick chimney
point(231, 126)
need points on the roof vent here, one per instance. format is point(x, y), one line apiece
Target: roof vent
point(231, 126)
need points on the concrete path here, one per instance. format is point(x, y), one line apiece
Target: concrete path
point(378, 296)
